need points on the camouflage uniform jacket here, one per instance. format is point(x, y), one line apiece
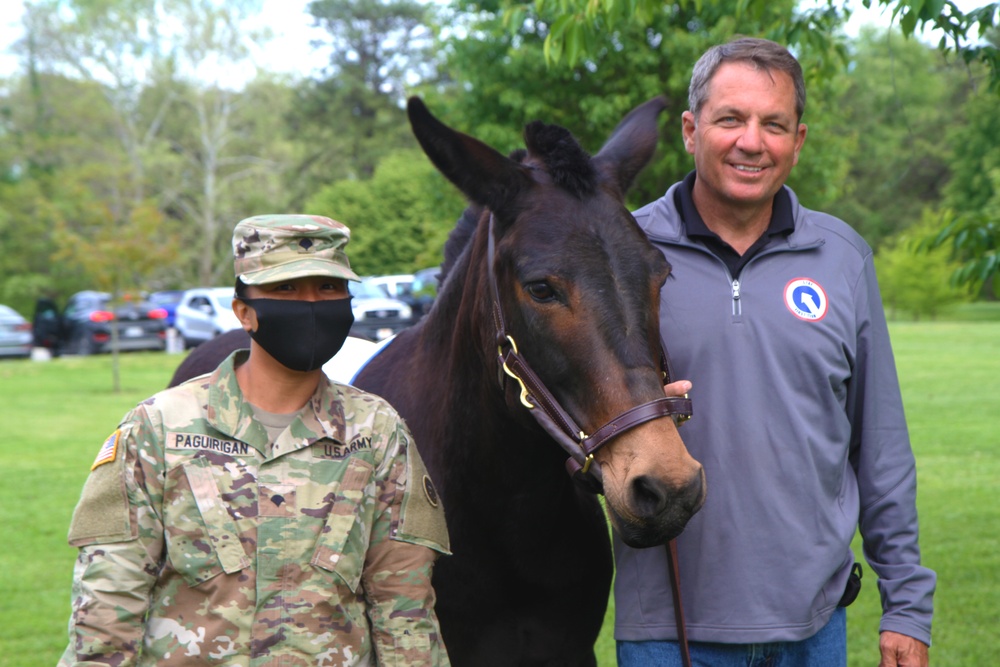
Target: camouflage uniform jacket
point(202, 543)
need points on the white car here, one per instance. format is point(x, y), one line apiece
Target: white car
point(395, 286)
point(205, 312)
point(15, 333)
point(376, 317)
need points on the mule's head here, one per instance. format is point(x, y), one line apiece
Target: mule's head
point(579, 288)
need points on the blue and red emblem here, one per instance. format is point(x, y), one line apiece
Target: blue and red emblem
point(805, 299)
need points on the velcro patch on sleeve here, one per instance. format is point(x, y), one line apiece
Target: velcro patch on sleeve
point(103, 514)
point(422, 519)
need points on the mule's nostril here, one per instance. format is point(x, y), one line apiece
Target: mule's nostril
point(649, 496)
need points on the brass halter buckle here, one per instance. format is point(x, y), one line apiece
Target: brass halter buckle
point(589, 461)
point(524, 390)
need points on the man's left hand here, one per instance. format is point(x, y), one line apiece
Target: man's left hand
point(901, 651)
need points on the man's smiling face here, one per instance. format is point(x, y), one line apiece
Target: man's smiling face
point(747, 136)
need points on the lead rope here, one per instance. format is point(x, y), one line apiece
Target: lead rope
point(675, 588)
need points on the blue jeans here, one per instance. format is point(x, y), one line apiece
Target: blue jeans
point(827, 648)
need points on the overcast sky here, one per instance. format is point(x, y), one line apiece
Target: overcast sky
point(289, 51)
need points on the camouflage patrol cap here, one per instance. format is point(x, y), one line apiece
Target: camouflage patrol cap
point(272, 248)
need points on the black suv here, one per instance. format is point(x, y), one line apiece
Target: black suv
point(87, 325)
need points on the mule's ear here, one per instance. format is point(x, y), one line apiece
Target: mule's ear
point(484, 175)
point(631, 145)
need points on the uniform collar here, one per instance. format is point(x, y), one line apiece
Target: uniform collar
point(228, 411)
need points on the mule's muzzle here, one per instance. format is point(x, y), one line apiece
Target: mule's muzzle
point(659, 511)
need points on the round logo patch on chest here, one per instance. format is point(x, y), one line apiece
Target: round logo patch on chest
point(805, 299)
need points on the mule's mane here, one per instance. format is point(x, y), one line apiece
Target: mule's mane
point(459, 238)
point(568, 164)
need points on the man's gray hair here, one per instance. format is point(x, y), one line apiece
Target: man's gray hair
point(763, 54)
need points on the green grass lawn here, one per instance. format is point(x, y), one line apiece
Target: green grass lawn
point(60, 412)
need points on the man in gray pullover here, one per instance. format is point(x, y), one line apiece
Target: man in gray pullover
point(774, 315)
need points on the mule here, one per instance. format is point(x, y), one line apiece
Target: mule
point(547, 254)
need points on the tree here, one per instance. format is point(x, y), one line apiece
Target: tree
point(576, 33)
point(975, 137)
point(226, 161)
point(973, 238)
point(27, 218)
point(352, 118)
point(501, 82)
point(973, 193)
point(915, 281)
point(116, 46)
point(214, 156)
point(399, 219)
point(163, 68)
point(40, 136)
point(899, 95)
point(578, 23)
point(116, 255)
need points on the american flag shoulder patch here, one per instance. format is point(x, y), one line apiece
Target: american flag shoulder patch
point(109, 450)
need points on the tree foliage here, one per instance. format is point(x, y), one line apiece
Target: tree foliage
point(900, 95)
point(399, 218)
point(577, 24)
point(973, 193)
point(577, 31)
point(125, 123)
point(374, 45)
point(914, 281)
point(973, 238)
point(507, 83)
point(125, 88)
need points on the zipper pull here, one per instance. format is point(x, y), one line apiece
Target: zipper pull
point(736, 290)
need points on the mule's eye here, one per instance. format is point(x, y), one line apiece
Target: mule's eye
point(540, 291)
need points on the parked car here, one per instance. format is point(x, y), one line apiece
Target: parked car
point(88, 324)
point(15, 333)
point(376, 317)
point(46, 326)
point(394, 286)
point(168, 300)
point(204, 313)
point(415, 290)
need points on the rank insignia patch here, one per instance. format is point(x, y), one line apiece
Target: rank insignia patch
point(109, 450)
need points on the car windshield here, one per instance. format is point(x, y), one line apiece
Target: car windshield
point(164, 298)
point(365, 290)
point(224, 300)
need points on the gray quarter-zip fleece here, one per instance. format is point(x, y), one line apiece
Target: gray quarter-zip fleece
point(800, 426)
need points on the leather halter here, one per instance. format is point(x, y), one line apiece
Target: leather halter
point(547, 411)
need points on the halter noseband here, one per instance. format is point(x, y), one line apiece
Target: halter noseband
point(547, 411)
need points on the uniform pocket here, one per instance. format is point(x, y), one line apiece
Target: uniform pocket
point(202, 538)
point(343, 541)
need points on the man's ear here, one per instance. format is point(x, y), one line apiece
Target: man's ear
point(688, 126)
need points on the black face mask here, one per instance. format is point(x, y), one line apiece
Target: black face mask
point(302, 335)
